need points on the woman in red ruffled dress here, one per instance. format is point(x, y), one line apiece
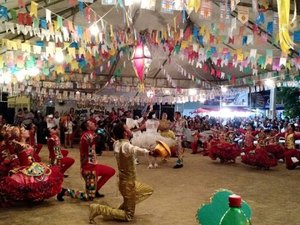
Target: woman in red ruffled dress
point(259, 157)
point(30, 181)
point(273, 145)
point(8, 160)
point(224, 150)
point(57, 155)
point(249, 137)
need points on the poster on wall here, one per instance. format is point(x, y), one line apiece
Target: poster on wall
point(261, 100)
point(235, 100)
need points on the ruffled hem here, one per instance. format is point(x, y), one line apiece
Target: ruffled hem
point(276, 150)
point(12, 190)
point(225, 152)
point(148, 140)
point(259, 158)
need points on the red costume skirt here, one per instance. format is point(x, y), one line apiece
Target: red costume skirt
point(20, 185)
point(259, 158)
point(292, 158)
point(276, 150)
point(225, 152)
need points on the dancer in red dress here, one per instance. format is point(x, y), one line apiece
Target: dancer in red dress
point(249, 137)
point(223, 150)
point(57, 155)
point(273, 145)
point(259, 156)
point(30, 181)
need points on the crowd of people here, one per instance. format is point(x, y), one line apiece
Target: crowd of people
point(259, 142)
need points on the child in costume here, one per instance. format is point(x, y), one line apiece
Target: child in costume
point(57, 155)
point(132, 191)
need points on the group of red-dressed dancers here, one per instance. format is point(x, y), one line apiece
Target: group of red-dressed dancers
point(23, 177)
point(259, 148)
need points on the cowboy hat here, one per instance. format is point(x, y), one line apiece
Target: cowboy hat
point(162, 149)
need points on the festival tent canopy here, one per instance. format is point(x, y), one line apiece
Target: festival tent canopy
point(203, 46)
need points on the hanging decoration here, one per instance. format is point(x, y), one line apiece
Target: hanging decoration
point(141, 60)
point(243, 14)
point(148, 4)
point(194, 5)
point(285, 40)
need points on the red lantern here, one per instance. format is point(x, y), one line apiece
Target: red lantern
point(141, 60)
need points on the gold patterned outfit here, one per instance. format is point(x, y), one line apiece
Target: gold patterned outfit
point(292, 156)
point(166, 132)
point(132, 191)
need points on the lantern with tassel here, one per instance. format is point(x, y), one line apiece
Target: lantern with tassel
point(141, 61)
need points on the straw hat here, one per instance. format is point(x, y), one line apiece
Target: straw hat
point(162, 149)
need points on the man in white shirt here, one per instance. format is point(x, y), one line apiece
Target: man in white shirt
point(132, 191)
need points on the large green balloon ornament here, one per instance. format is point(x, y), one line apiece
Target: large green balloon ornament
point(212, 213)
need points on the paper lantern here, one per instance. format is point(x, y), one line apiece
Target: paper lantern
point(141, 60)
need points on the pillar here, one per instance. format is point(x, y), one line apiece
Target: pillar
point(272, 109)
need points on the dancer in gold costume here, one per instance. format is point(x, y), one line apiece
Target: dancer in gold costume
point(132, 191)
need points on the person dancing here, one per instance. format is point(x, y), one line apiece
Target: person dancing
point(90, 170)
point(133, 192)
point(291, 155)
point(178, 128)
point(149, 138)
point(57, 155)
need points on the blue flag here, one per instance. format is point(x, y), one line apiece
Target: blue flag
point(297, 36)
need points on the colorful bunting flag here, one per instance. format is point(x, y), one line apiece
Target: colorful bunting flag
point(148, 4)
point(243, 14)
point(167, 6)
point(33, 9)
point(206, 9)
point(108, 2)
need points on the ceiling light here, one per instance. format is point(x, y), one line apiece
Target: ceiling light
point(94, 29)
point(59, 57)
point(192, 92)
point(224, 89)
point(269, 83)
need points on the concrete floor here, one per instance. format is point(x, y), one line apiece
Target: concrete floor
point(273, 195)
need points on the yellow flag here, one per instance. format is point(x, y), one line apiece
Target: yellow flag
point(60, 69)
point(26, 47)
point(33, 9)
point(74, 65)
point(112, 51)
point(72, 52)
point(81, 51)
point(285, 40)
point(184, 44)
point(194, 5)
point(1, 61)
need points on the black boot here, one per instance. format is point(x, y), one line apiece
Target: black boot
point(60, 195)
point(98, 195)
